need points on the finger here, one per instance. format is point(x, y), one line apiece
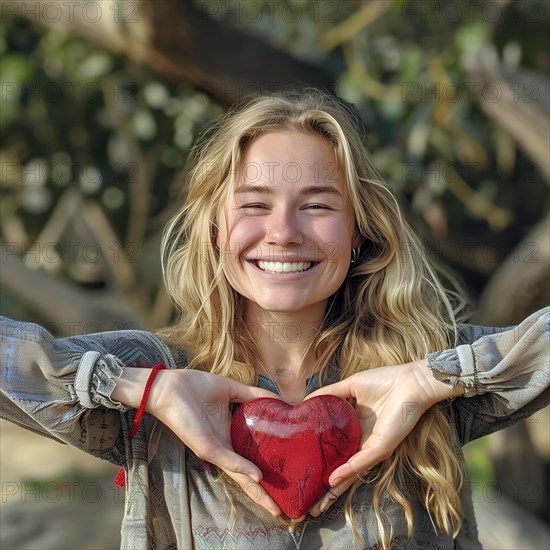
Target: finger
point(371, 454)
point(341, 389)
point(256, 492)
point(330, 498)
point(239, 393)
point(228, 460)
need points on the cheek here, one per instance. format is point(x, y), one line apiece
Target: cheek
point(340, 234)
point(240, 234)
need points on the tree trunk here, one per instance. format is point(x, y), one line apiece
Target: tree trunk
point(523, 280)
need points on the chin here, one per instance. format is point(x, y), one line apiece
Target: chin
point(291, 306)
point(281, 308)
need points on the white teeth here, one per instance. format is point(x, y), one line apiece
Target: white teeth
point(283, 267)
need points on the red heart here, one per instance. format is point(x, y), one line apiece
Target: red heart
point(296, 447)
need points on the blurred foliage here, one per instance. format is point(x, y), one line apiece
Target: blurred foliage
point(478, 464)
point(81, 125)
point(405, 66)
point(76, 115)
point(79, 121)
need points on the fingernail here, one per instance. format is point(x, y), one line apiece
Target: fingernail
point(335, 482)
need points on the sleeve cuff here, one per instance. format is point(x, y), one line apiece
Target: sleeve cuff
point(95, 380)
point(454, 366)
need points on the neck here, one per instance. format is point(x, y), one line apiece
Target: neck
point(284, 343)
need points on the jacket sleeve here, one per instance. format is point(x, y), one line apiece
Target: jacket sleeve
point(505, 374)
point(61, 388)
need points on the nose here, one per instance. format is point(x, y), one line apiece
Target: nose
point(283, 228)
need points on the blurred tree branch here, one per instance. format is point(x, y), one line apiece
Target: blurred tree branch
point(179, 39)
point(523, 108)
point(73, 310)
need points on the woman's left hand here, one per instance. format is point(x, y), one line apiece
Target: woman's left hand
point(389, 402)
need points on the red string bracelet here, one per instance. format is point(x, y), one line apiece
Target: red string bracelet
point(121, 476)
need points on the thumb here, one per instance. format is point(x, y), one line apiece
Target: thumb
point(232, 462)
point(341, 389)
point(239, 393)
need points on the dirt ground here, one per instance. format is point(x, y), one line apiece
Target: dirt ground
point(74, 505)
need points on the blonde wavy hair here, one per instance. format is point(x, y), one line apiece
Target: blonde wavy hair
point(390, 310)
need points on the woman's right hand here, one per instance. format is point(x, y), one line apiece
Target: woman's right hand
point(195, 406)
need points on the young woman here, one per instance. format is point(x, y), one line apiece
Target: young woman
point(296, 276)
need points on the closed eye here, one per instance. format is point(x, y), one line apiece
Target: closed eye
point(317, 207)
point(253, 206)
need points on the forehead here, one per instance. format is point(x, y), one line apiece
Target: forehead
point(291, 157)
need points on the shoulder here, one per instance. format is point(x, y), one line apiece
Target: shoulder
point(179, 354)
point(132, 347)
point(469, 333)
point(138, 347)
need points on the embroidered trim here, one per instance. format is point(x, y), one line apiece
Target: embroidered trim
point(83, 378)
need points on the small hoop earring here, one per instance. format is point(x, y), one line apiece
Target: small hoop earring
point(355, 251)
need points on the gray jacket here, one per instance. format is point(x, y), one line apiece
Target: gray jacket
point(61, 388)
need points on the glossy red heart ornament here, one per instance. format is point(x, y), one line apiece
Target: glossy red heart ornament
point(296, 447)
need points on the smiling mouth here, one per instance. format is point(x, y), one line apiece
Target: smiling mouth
point(283, 267)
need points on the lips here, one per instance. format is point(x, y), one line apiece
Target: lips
point(283, 267)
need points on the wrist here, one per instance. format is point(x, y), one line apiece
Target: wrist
point(157, 393)
point(438, 390)
point(130, 386)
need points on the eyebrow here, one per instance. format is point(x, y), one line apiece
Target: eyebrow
point(309, 190)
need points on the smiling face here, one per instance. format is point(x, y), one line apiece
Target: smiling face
point(287, 229)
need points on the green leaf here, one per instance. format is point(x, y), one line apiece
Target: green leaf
point(15, 68)
point(472, 37)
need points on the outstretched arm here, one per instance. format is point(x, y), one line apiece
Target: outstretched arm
point(77, 390)
point(503, 376)
point(61, 387)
